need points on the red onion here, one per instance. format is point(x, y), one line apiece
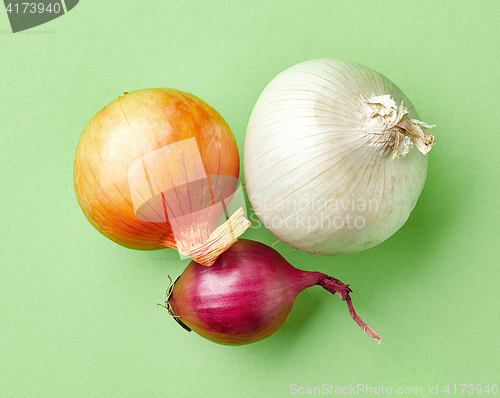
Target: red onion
point(246, 295)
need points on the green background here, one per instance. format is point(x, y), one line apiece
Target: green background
point(78, 314)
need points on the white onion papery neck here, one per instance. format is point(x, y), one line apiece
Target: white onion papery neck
point(398, 132)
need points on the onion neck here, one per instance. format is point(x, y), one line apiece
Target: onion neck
point(221, 239)
point(397, 131)
point(305, 279)
point(335, 286)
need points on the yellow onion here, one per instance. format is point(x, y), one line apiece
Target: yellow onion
point(157, 169)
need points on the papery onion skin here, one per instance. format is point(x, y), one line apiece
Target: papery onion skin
point(319, 169)
point(246, 295)
point(124, 131)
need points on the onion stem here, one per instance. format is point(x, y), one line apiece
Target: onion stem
point(335, 286)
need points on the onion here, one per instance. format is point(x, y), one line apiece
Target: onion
point(246, 295)
point(157, 169)
point(335, 158)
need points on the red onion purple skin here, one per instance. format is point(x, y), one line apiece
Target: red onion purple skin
point(245, 296)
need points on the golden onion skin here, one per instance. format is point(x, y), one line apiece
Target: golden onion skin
point(124, 131)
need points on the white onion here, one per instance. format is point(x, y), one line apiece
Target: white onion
point(334, 157)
